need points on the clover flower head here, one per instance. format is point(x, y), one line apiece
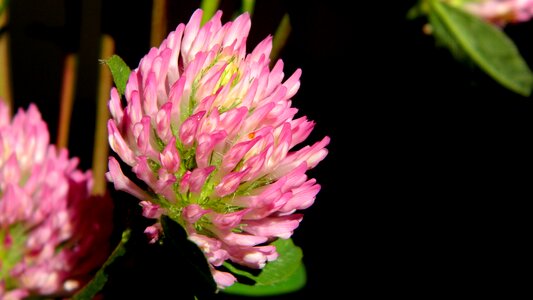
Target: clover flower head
point(212, 137)
point(49, 223)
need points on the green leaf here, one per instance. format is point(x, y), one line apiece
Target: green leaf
point(291, 284)
point(98, 282)
point(444, 38)
point(485, 44)
point(284, 275)
point(120, 71)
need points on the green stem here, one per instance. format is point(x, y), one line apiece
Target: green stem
point(280, 38)
point(209, 7)
point(248, 6)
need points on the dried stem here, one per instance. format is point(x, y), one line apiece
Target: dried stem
point(159, 22)
point(5, 74)
point(101, 146)
point(67, 98)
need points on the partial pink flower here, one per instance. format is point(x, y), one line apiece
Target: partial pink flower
point(53, 233)
point(212, 133)
point(501, 12)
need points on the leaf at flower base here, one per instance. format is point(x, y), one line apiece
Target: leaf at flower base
point(445, 38)
point(120, 71)
point(291, 284)
point(485, 44)
point(284, 275)
point(188, 259)
point(98, 282)
point(418, 10)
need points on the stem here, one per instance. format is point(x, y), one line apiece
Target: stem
point(280, 38)
point(101, 146)
point(67, 99)
point(5, 78)
point(159, 22)
point(209, 7)
point(248, 6)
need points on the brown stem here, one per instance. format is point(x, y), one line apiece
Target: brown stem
point(5, 74)
point(159, 22)
point(67, 99)
point(101, 145)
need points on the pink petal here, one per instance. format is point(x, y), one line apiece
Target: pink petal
point(191, 30)
point(153, 232)
point(254, 165)
point(223, 279)
point(227, 221)
point(151, 210)
point(15, 205)
point(232, 120)
point(229, 183)
point(293, 83)
point(117, 143)
point(238, 31)
point(123, 183)
point(115, 107)
point(301, 129)
point(206, 145)
point(163, 122)
point(174, 43)
point(235, 154)
point(143, 171)
point(302, 197)
point(185, 182)
point(262, 49)
point(198, 178)
point(253, 257)
point(238, 239)
point(170, 159)
point(281, 227)
point(193, 212)
point(188, 129)
point(10, 171)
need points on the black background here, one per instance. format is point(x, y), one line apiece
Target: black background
point(429, 158)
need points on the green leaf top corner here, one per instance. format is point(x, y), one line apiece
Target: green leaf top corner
point(120, 71)
point(485, 44)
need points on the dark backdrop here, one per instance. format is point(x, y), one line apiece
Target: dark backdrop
point(423, 148)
